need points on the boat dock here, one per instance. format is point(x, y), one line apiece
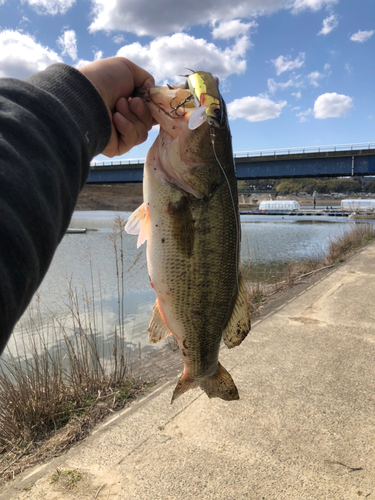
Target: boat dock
point(301, 212)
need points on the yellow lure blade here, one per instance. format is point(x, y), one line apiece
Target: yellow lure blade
point(203, 87)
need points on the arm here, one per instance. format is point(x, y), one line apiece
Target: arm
point(50, 128)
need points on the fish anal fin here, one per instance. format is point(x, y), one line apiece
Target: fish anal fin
point(139, 223)
point(157, 330)
point(239, 324)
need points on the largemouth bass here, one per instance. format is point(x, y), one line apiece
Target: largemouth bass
point(191, 223)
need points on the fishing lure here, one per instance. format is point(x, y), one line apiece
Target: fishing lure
point(207, 100)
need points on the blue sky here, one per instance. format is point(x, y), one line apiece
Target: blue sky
point(293, 72)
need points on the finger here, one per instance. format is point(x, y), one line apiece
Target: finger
point(140, 109)
point(131, 133)
point(137, 112)
point(141, 77)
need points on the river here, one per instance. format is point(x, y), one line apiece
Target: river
point(86, 264)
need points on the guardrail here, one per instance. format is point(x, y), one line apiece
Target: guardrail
point(108, 163)
point(260, 152)
point(306, 150)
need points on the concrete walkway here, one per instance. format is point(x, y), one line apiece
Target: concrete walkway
point(304, 427)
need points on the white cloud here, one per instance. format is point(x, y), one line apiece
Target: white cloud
point(303, 115)
point(50, 6)
point(119, 39)
point(167, 56)
point(255, 109)
point(292, 82)
point(82, 62)
point(21, 55)
point(285, 63)
point(332, 105)
point(314, 5)
point(329, 24)
point(232, 29)
point(348, 68)
point(297, 95)
point(326, 66)
point(314, 77)
point(161, 18)
point(98, 55)
point(68, 43)
point(362, 36)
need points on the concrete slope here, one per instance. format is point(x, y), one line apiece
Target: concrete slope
point(304, 427)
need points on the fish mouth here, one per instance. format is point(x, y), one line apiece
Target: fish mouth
point(174, 100)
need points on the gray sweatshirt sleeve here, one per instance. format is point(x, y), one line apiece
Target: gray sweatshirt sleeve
point(51, 126)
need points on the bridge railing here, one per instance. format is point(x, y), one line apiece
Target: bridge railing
point(260, 152)
point(306, 150)
point(108, 163)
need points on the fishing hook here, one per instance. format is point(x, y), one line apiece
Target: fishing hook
point(179, 105)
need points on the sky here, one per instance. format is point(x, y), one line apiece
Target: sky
point(294, 73)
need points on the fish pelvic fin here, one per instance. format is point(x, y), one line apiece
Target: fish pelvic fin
point(220, 385)
point(157, 329)
point(238, 325)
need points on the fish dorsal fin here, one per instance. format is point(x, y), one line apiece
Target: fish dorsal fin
point(197, 117)
point(139, 223)
point(157, 329)
point(239, 324)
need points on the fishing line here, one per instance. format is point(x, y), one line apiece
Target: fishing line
point(236, 216)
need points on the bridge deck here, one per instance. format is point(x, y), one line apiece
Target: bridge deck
point(327, 161)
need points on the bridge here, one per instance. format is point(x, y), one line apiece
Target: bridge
point(313, 161)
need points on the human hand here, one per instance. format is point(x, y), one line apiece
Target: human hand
point(115, 78)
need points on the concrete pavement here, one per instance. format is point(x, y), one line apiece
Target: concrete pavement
point(304, 427)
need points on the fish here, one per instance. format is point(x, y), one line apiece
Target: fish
point(190, 220)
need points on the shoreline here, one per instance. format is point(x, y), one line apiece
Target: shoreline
point(128, 197)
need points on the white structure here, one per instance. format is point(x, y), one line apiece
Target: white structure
point(279, 205)
point(361, 205)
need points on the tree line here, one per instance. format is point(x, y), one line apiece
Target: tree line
point(309, 185)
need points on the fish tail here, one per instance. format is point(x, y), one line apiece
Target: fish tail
point(220, 385)
point(183, 385)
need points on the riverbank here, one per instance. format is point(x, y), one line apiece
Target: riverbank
point(128, 197)
point(303, 427)
point(116, 197)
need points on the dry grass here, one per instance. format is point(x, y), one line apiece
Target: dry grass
point(63, 379)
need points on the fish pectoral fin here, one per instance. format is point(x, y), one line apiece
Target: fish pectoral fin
point(139, 223)
point(239, 324)
point(157, 330)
